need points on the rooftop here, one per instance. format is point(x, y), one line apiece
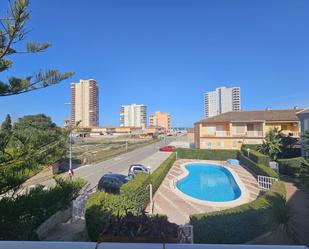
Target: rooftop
point(250, 116)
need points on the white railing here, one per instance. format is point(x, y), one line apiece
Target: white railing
point(105, 245)
point(265, 182)
point(222, 133)
point(254, 133)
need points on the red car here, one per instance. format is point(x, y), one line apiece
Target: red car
point(168, 148)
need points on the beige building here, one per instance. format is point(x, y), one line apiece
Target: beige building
point(232, 129)
point(85, 103)
point(160, 119)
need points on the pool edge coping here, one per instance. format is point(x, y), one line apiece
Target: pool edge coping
point(242, 199)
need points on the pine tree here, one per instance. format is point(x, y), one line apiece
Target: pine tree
point(12, 31)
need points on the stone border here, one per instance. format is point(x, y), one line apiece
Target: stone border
point(242, 199)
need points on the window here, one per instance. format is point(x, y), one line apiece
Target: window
point(221, 144)
point(209, 145)
point(210, 129)
point(234, 144)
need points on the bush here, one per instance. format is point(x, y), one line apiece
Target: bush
point(21, 216)
point(256, 156)
point(138, 228)
point(205, 154)
point(159, 174)
point(292, 166)
point(290, 153)
point(135, 193)
point(258, 169)
point(250, 146)
point(240, 224)
point(133, 198)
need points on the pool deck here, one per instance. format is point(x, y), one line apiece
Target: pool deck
point(178, 207)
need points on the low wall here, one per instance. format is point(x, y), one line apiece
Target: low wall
point(59, 217)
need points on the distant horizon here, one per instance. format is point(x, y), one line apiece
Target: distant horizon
point(166, 55)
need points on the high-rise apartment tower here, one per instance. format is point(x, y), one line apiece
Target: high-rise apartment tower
point(221, 100)
point(133, 115)
point(85, 103)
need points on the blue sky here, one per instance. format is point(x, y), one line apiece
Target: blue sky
point(166, 54)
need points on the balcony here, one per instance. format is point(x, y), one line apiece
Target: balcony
point(254, 133)
point(222, 133)
point(291, 133)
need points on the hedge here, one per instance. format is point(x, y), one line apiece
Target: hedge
point(205, 154)
point(256, 156)
point(159, 174)
point(240, 224)
point(20, 216)
point(258, 169)
point(135, 193)
point(292, 166)
point(133, 197)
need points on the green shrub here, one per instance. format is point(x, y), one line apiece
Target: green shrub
point(292, 166)
point(257, 157)
point(250, 146)
point(205, 154)
point(290, 153)
point(135, 193)
point(159, 174)
point(240, 224)
point(133, 197)
point(258, 169)
point(21, 216)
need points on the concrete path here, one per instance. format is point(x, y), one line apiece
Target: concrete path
point(178, 209)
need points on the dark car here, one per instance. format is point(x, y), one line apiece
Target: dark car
point(111, 182)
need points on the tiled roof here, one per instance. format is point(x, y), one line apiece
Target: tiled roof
point(304, 111)
point(250, 116)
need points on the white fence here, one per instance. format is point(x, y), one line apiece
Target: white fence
point(92, 245)
point(265, 182)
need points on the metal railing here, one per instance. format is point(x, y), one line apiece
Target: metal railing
point(222, 133)
point(254, 133)
point(265, 182)
point(105, 245)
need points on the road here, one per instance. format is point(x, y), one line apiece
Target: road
point(148, 155)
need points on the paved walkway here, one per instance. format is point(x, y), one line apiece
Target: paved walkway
point(178, 209)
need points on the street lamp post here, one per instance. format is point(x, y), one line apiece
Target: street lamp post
point(70, 172)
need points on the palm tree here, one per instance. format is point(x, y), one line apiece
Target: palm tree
point(272, 144)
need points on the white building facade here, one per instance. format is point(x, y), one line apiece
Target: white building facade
point(134, 115)
point(221, 100)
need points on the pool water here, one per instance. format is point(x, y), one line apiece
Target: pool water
point(209, 182)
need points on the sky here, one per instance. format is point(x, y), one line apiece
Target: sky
point(166, 54)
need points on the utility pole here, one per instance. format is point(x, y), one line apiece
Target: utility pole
point(70, 172)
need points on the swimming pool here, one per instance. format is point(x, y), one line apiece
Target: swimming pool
point(209, 182)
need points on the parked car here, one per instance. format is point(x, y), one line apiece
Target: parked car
point(138, 168)
point(168, 148)
point(111, 182)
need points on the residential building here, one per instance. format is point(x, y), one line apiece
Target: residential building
point(133, 115)
point(160, 119)
point(232, 129)
point(304, 124)
point(221, 100)
point(85, 103)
